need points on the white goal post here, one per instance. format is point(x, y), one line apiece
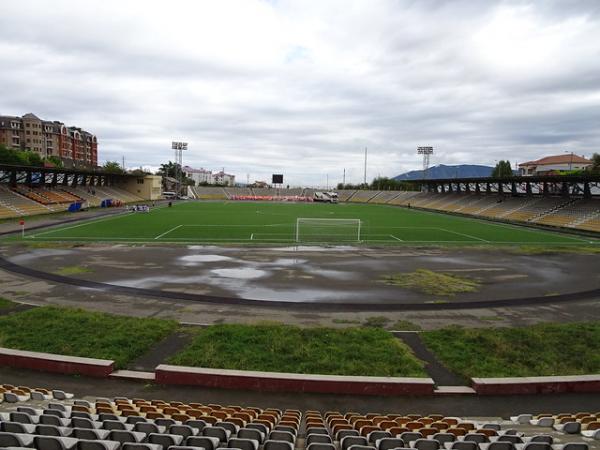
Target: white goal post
point(310, 229)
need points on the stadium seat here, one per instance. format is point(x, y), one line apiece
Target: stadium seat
point(243, 444)
point(278, 445)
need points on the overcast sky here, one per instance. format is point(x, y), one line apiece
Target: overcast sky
point(302, 87)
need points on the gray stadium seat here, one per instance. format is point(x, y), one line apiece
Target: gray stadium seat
point(537, 446)
point(282, 436)
point(499, 445)
point(317, 430)
point(318, 438)
point(480, 438)
point(52, 443)
point(278, 445)
point(243, 444)
point(462, 445)
point(576, 446)
point(251, 433)
point(343, 433)
point(183, 430)
point(220, 433)
point(374, 436)
point(140, 446)
point(444, 438)
point(166, 440)
point(426, 444)
point(97, 445)
point(321, 447)
point(206, 442)
point(348, 441)
point(410, 436)
point(196, 424)
point(47, 430)
point(231, 427)
point(542, 438)
point(126, 436)
point(389, 443)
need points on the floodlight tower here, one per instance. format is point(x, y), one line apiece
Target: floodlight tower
point(426, 152)
point(179, 147)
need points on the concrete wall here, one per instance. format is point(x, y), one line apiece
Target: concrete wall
point(148, 187)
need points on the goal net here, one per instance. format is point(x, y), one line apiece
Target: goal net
point(328, 230)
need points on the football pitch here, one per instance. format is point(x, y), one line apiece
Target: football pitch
point(197, 222)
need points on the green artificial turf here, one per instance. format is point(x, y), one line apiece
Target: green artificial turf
point(539, 350)
point(76, 332)
point(263, 223)
point(285, 348)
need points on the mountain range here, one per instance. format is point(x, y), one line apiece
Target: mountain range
point(443, 171)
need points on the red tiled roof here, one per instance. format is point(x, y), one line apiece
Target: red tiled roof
point(557, 159)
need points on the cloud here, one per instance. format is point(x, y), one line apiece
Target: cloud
point(302, 87)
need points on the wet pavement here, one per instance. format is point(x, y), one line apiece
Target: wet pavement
point(313, 274)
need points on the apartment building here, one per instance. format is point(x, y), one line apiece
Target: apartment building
point(74, 146)
point(207, 176)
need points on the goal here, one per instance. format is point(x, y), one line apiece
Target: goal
point(327, 230)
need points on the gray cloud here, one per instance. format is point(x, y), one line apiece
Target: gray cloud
point(304, 86)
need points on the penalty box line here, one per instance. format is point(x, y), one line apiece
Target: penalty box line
point(218, 226)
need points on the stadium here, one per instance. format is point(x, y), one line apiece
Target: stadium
point(337, 298)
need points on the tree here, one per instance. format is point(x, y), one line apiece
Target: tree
point(55, 160)
point(503, 169)
point(34, 159)
point(112, 167)
point(595, 163)
point(171, 169)
point(19, 157)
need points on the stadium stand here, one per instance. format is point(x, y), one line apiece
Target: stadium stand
point(209, 193)
point(234, 191)
point(24, 201)
point(117, 194)
point(362, 196)
point(344, 195)
point(15, 204)
point(53, 419)
point(384, 197)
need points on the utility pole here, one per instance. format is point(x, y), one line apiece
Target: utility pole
point(344, 182)
point(123, 163)
point(365, 174)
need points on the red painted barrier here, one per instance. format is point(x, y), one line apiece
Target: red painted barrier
point(47, 362)
point(291, 382)
point(536, 385)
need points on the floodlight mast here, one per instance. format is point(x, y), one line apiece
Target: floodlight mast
point(179, 147)
point(426, 152)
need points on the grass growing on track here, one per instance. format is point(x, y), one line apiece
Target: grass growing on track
point(4, 304)
point(75, 332)
point(539, 350)
point(433, 283)
point(284, 348)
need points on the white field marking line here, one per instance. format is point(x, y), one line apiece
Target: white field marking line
point(88, 222)
point(230, 225)
point(188, 241)
point(252, 236)
point(398, 239)
point(167, 232)
point(464, 235)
